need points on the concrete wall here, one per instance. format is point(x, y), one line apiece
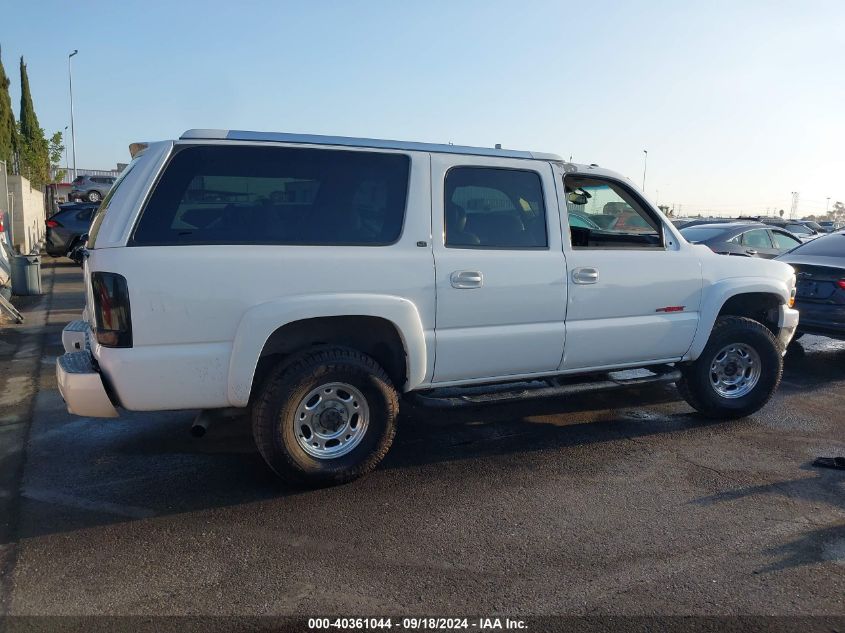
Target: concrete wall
point(28, 215)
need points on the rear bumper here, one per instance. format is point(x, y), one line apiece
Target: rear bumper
point(822, 318)
point(787, 324)
point(80, 383)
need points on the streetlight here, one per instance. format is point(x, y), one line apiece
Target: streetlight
point(827, 206)
point(72, 130)
point(67, 165)
point(645, 166)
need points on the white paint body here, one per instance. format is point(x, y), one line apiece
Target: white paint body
point(202, 314)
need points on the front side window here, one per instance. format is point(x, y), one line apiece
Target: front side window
point(756, 238)
point(494, 208)
point(617, 218)
point(276, 195)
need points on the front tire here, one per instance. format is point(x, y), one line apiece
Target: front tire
point(737, 373)
point(94, 196)
point(326, 417)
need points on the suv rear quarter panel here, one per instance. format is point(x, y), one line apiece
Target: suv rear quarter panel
point(193, 305)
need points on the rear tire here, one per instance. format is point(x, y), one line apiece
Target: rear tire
point(737, 373)
point(325, 417)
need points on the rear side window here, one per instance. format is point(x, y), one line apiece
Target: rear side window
point(106, 203)
point(494, 208)
point(272, 195)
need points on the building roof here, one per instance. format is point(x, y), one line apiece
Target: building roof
point(316, 139)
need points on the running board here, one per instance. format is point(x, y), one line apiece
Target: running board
point(451, 397)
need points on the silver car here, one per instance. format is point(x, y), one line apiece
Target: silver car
point(90, 188)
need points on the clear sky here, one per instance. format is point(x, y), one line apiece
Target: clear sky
point(738, 103)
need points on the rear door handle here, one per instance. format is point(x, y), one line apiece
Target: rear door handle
point(585, 275)
point(466, 279)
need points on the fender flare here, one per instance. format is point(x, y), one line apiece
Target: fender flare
point(718, 293)
point(259, 323)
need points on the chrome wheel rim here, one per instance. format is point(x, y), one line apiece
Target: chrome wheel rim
point(331, 420)
point(735, 370)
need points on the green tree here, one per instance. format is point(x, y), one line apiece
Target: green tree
point(56, 150)
point(837, 213)
point(8, 127)
point(32, 146)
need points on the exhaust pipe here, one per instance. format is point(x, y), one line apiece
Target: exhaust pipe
point(200, 425)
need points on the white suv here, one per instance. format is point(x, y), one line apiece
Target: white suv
point(313, 279)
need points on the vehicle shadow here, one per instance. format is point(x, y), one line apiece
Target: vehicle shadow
point(826, 542)
point(812, 362)
point(84, 472)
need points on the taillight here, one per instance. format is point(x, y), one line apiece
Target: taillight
point(113, 324)
point(2, 226)
point(841, 283)
point(51, 224)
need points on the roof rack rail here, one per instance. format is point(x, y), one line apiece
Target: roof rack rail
point(317, 139)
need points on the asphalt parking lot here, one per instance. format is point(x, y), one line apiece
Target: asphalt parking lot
point(623, 503)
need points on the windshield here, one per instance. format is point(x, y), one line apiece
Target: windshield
point(697, 234)
point(832, 245)
point(813, 225)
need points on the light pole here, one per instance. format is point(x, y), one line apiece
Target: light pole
point(645, 166)
point(827, 206)
point(67, 165)
point(72, 130)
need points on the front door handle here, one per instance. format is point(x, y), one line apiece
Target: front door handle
point(585, 275)
point(466, 279)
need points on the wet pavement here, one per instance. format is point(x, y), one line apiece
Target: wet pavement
point(622, 503)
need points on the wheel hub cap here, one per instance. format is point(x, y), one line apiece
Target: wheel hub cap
point(735, 370)
point(331, 420)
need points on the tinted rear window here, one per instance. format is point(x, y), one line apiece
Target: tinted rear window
point(272, 195)
point(826, 246)
point(700, 234)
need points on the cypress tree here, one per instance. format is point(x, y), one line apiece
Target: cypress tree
point(8, 129)
point(34, 153)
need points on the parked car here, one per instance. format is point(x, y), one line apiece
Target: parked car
point(351, 264)
point(745, 239)
point(77, 253)
point(820, 292)
point(804, 231)
point(828, 226)
point(65, 228)
point(90, 188)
